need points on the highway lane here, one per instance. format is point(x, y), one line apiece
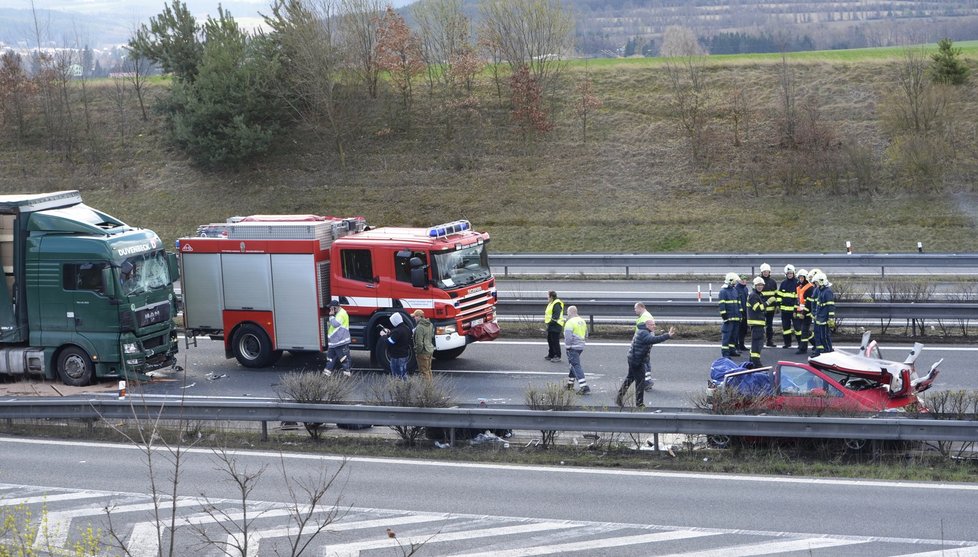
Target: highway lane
point(500, 371)
point(502, 510)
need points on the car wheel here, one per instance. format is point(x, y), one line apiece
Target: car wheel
point(252, 347)
point(855, 444)
point(75, 367)
point(719, 441)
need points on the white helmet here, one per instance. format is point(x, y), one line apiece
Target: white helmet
point(813, 273)
point(821, 278)
point(758, 280)
point(731, 278)
point(802, 273)
point(789, 268)
point(765, 267)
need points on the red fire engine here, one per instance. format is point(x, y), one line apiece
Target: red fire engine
point(263, 283)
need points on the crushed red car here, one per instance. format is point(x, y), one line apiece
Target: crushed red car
point(834, 382)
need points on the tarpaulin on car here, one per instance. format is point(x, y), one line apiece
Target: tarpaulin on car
point(723, 366)
point(757, 383)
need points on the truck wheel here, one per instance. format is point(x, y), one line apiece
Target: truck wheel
point(252, 347)
point(382, 358)
point(75, 367)
point(450, 354)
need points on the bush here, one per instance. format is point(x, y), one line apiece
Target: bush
point(415, 392)
point(552, 396)
point(315, 388)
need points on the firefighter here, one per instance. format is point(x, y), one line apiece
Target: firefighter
point(743, 291)
point(756, 313)
point(338, 339)
point(643, 316)
point(824, 315)
point(770, 295)
point(802, 313)
point(813, 305)
point(731, 314)
point(787, 300)
point(554, 319)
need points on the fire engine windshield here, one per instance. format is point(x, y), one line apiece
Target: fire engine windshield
point(460, 267)
point(145, 272)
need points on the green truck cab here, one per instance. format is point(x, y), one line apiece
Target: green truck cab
point(85, 295)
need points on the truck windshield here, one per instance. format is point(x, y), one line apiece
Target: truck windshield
point(461, 267)
point(142, 273)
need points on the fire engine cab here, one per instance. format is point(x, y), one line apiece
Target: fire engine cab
point(263, 283)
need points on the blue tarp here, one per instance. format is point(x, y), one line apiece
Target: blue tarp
point(721, 367)
point(749, 383)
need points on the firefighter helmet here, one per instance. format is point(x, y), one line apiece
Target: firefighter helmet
point(731, 278)
point(802, 273)
point(822, 279)
point(789, 268)
point(765, 267)
point(758, 280)
point(813, 273)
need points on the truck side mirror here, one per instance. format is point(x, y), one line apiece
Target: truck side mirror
point(171, 263)
point(108, 282)
point(418, 278)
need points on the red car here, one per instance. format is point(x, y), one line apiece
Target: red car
point(834, 383)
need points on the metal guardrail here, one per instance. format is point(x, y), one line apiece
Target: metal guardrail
point(709, 310)
point(701, 262)
point(885, 428)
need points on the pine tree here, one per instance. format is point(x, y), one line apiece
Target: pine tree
point(947, 67)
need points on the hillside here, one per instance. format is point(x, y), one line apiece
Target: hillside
point(632, 187)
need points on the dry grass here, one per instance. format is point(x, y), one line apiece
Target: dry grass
point(631, 188)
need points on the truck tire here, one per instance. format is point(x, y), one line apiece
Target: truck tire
point(382, 359)
point(450, 354)
point(75, 367)
point(252, 347)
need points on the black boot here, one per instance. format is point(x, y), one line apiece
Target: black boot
point(787, 341)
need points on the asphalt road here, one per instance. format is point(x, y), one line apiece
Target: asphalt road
point(500, 371)
point(485, 509)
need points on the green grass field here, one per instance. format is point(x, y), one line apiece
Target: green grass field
point(632, 187)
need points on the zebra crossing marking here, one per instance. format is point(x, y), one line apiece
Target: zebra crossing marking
point(591, 544)
point(769, 548)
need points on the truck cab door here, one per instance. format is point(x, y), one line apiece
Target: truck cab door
point(361, 283)
point(94, 315)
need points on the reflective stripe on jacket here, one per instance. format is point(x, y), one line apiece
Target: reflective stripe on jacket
point(339, 328)
point(787, 294)
point(770, 294)
point(575, 331)
point(729, 304)
point(756, 308)
point(555, 312)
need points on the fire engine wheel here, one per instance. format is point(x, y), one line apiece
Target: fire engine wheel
point(382, 358)
point(75, 367)
point(450, 354)
point(252, 347)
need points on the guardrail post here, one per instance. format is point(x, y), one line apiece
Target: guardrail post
point(591, 322)
point(626, 271)
point(882, 271)
point(655, 439)
point(506, 270)
point(264, 431)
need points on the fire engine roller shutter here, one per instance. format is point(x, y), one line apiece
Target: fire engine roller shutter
point(247, 281)
point(294, 293)
point(202, 290)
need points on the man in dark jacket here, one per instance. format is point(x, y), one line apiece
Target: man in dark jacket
point(641, 345)
point(743, 290)
point(770, 295)
point(553, 317)
point(399, 343)
point(730, 313)
point(756, 312)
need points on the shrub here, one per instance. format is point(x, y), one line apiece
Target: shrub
point(315, 388)
point(552, 396)
point(416, 392)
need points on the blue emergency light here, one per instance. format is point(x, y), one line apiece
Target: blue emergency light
point(449, 228)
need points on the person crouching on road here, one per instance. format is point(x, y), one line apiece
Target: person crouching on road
point(424, 343)
point(338, 339)
point(399, 344)
point(756, 314)
point(641, 345)
point(554, 319)
point(575, 334)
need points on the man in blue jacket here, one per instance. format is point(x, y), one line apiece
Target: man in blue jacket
point(637, 353)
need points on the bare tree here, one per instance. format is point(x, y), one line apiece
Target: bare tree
point(788, 97)
point(536, 34)
point(690, 101)
point(446, 41)
point(17, 90)
point(921, 105)
point(357, 31)
point(399, 54)
point(586, 102)
point(678, 41)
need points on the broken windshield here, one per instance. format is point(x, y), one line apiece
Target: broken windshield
point(145, 272)
point(460, 267)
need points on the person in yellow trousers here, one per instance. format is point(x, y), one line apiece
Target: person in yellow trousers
point(554, 319)
point(424, 343)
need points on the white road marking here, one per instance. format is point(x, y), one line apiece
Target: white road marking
point(770, 548)
point(255, 536)
point(55, 536)
point(590, 544)
point(681, 345)
point(12, 501)
point(526, 468)
point(955, 552)
point(354, 549)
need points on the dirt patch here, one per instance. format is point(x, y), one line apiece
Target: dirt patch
point(52, 388)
